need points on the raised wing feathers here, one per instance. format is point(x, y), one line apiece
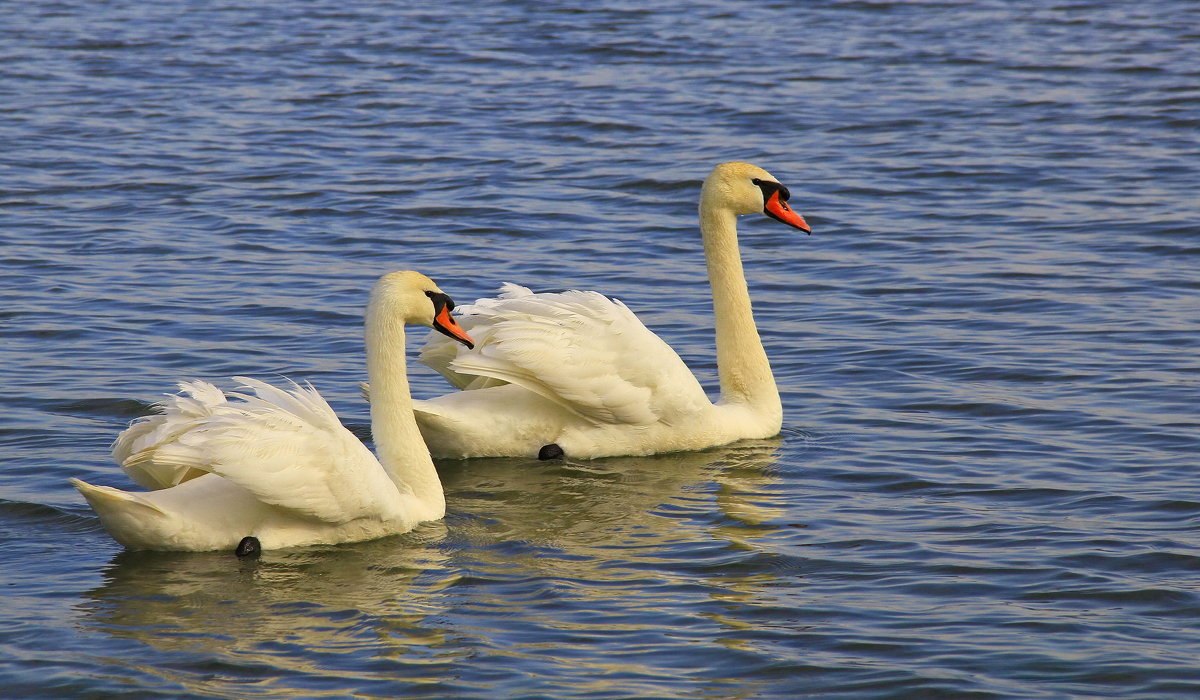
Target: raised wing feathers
point(287, 447)
point(174, 416)
point(586, 352)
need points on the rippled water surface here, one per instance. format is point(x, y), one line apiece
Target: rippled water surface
point(987, 481)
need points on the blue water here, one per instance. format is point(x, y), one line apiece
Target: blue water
point(986, 484)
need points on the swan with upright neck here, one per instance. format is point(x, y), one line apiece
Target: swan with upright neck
point(578, 371)
point(278, 466)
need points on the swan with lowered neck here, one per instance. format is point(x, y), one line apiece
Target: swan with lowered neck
point(579, 371)
point(279, 466)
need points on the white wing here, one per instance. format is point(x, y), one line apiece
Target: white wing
point(287, 447)
point(176, 415)
point(586, 352)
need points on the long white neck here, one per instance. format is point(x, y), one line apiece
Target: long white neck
point(742, 363)
point(398, 442)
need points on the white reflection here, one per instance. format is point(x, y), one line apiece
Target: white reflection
point(590, 536)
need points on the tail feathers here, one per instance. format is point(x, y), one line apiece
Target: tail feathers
point(106, 500)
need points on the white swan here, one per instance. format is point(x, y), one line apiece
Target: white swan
point(279, 466)
point(580, 371)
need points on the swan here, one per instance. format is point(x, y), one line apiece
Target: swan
point(278, 469)
point(578, 373)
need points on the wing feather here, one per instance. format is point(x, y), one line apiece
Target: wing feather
point(174, 416)
point(286, 446)
point(586, 352)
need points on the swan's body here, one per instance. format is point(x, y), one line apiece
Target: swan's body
point(580, 370)
point(279, 466)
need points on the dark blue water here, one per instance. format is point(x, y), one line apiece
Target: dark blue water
point(987, 483)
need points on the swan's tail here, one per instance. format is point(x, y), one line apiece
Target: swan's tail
point(106, 499)
point(125, 515)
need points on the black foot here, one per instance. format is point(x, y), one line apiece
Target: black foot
point(248, 547)
point(551, 451)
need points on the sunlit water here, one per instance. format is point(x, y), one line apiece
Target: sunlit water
point(986, 486)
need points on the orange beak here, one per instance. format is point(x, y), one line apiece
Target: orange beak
point(445, 323)
point(779, 210)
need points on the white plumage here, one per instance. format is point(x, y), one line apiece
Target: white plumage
point(277, 464)
point(581, 370)
point(571, 348)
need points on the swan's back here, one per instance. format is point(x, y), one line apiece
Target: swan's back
point(285, 446)
point(585, 352)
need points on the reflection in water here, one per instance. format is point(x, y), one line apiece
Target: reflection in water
point(575, 504)
point(543, 561)
point(291, 611)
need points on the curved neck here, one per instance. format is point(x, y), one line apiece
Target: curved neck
point(741, 361)
point(398, 442)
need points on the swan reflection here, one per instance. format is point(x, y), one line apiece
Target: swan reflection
point(590, 535)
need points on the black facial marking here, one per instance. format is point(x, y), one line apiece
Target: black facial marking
point(768, 188)
point(440, 300)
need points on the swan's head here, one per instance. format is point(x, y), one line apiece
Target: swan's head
point(748, 189)
point(417, 300)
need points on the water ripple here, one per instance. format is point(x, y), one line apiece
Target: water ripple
point(986, 349)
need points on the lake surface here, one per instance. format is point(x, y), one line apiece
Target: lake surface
point(986, 486)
